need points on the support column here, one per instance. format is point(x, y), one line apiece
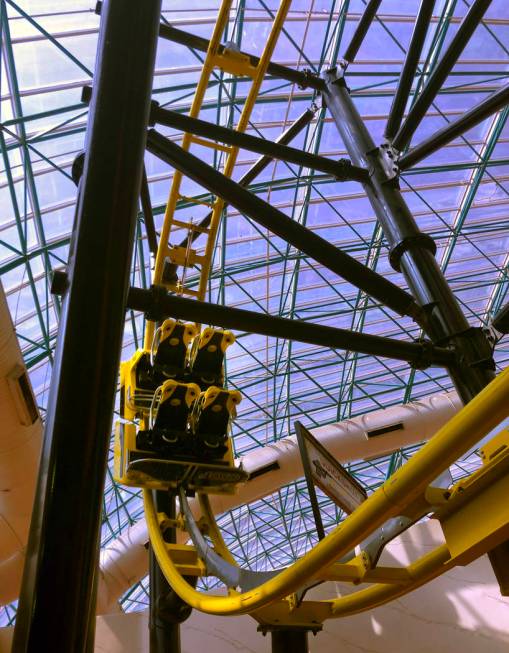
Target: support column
point(167, 610)
point(61, 557)
point(411, 251)
point(293, 639)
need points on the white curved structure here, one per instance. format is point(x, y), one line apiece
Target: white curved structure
point(20, 445)
point(380, 432)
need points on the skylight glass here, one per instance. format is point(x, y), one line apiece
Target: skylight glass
point(459, 195)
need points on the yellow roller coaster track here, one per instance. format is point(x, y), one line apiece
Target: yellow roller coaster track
point(236, 63)
point(474, 513)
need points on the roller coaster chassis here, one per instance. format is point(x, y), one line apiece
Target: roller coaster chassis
point(63, 544)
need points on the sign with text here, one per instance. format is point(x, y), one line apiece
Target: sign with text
point(331, 477)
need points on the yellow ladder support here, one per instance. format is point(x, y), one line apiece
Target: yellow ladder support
point(233, 62)
point(242, 125)
point(215, 146)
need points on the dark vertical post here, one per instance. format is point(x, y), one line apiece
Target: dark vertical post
point(167, 610)
point(409, 68)
point(291, 639)
point(412, 251)
point(61, 557)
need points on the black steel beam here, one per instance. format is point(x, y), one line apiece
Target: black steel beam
point(409, 68)
point(158, 304)
point(439, 74)
point(412, 251)
point(303, 79)
point(361, 30)
point(280, 224)
point(341, 170)
point(146, 207)
point(61, 555)
point(470, 119)
point(286, 137)
point(256, 169)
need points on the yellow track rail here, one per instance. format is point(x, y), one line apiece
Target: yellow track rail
point(406, 487)
point(233, 62)
point(403, 493)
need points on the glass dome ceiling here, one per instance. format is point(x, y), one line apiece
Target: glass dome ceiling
point(460, 196)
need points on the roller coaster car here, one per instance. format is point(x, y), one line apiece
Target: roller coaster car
point(137, 385)
point(211, 418)
point(137, 464)
point(207, 355)
point(170, 348)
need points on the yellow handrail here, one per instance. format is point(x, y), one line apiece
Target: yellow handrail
point(463, 431)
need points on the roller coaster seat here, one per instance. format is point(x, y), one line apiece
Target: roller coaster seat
point(206, 356)
point(137, 385)
point(170, 347)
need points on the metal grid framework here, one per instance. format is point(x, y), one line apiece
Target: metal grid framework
point(459, 196)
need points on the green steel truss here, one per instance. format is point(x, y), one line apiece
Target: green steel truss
point(460, 196)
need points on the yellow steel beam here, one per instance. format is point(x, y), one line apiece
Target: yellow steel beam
point(237, 64)
point(423, 570)
point(476, 518)
point(242, 125)
point(208, 66)
point(355, 574)
point(212, 144)
point(186, 560)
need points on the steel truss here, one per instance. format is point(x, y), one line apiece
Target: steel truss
point(469, 343)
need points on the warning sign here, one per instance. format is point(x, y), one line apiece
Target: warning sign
point(331, 477)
